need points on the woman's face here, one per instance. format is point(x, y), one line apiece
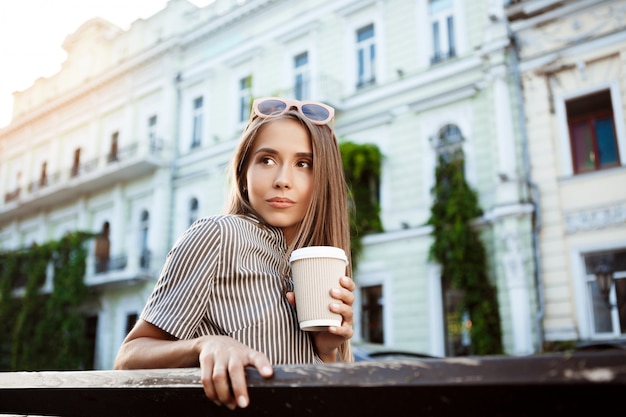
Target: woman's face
point(280, 175)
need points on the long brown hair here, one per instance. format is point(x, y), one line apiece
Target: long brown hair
point(326, 221)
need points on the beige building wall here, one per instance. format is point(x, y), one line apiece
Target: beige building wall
point(570, 51)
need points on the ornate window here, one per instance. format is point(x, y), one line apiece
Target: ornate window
point(449, 142)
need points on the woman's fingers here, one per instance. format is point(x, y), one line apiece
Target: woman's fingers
point(221, 381)
point(223, 371)
point(206, 376)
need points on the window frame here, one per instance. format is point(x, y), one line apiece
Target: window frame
point(302, 76)
point(564, 138)
point(244, 97)
point(370, 280)
point(588, 119)
point(446, 23)
point(366, 66)
point(587, 308)
point(153, 140)
point(378, 309)
point(194, 209)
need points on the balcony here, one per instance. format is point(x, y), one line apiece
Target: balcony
point(87, 177)
point(122, 270)
point(563, 384)
point(440, 56)
point(12, 195)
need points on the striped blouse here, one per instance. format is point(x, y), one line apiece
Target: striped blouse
point(225, 276)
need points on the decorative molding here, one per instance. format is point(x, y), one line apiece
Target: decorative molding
point(595, 219)
point(570, 28)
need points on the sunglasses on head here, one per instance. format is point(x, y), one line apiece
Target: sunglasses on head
point(317, 113)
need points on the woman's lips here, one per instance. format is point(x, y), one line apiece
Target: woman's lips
point(280, 202)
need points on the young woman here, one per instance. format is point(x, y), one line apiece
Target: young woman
point(224, 300)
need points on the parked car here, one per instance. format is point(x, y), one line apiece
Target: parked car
point(374, 352)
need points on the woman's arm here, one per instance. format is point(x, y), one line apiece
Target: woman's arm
point(222, 360)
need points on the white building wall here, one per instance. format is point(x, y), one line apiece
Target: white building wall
point(161, 64)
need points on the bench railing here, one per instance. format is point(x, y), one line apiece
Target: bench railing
point(548, 384)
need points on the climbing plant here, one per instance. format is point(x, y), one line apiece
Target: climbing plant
point(40, 330)
point(362, 168)
point(458, 249)
point(8, 306)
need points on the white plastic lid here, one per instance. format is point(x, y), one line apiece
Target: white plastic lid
point(318, 252)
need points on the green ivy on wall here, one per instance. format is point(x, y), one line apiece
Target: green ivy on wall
point(38, 330)
point(362, 167)
point(458, 249)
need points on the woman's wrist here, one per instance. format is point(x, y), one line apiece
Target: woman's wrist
point(329, 357)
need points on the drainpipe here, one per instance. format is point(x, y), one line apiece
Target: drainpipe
point(534, 191)
point(174, 163)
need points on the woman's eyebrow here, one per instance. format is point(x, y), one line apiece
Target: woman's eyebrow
point(266, 150)
point(275, 152)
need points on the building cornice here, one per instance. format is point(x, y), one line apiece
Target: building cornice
point(224, 20)
point(91, 85)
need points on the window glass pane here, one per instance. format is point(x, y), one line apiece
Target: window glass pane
point(196, 138)
point(605, 135)
point(131, 319)
point(301, 60)
point(361, 59)
point(451, 44)
point(436, 43)
point(365, 33)
point(620, 293)
point(601, 310)
point(372, 314)
point(245, 87)
point(582, 144)
point(590, 104)
point(301, 76)
point(437, 6)
point(193, 210)
point(365, 49)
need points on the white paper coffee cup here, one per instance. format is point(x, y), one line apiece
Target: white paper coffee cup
point(315, 271)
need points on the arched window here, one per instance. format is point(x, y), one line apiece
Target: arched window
point(193, 210)
point(449, 143)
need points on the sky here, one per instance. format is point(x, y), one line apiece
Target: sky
point(32, 32)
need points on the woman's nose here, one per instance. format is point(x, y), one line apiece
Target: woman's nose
point(283, 178)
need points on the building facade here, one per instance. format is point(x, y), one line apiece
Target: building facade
point(571, 64)
point(131, 139)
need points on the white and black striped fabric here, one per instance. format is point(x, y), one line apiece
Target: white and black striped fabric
point(225, 276)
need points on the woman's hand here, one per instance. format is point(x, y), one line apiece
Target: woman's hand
point(327, 342)
point(222, 360)
point(222, 369)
